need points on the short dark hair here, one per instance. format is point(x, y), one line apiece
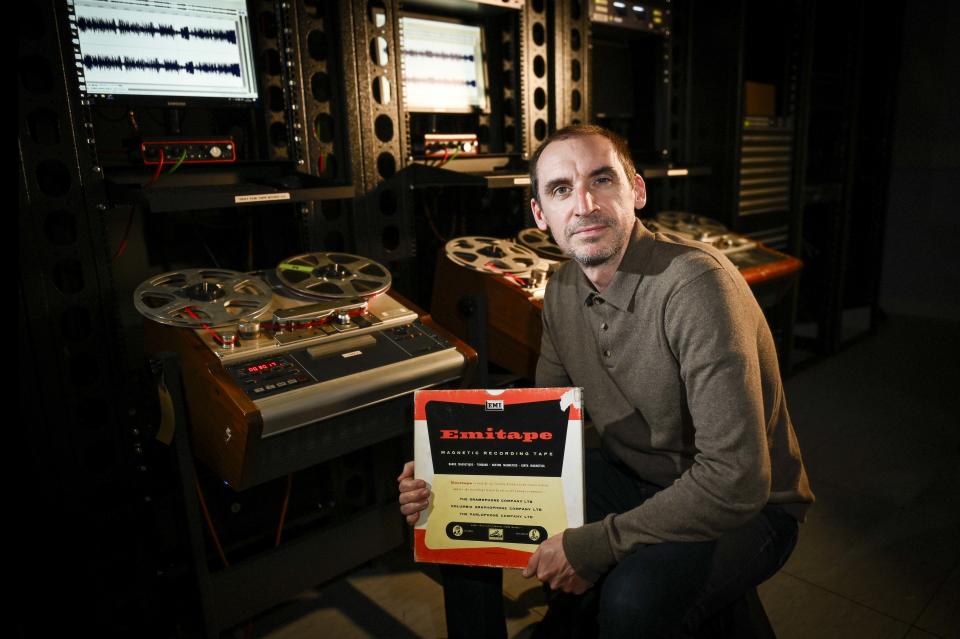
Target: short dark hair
point(578, 131)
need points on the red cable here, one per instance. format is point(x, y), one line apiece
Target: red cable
point(126, 235)
point(159, 169)
point(516, 280)
point(216, 338)
point(283, 511)
point(213, 531)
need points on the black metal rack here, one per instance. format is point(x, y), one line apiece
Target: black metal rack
point(239, 591)
point(247, 184)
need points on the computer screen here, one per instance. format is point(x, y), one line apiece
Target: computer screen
point(173, 51)
point(443, 66)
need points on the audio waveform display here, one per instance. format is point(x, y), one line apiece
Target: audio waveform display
point(166, 50)
point(443, 68)
point(441, 81)
point(122, 27)
point(438, 55)
point(99, 62)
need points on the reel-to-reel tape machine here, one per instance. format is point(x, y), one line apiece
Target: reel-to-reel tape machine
point(700, 228)
point(270, 358)
point(510, 278)
point(507, 279)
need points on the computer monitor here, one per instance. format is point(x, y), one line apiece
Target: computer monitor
point(443, 66)
point(163, 51)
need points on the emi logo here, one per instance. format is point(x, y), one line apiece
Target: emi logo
point(494, 404)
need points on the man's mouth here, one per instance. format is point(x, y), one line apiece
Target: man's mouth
point(589, 228)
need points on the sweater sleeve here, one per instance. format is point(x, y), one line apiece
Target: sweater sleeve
point(711, 326)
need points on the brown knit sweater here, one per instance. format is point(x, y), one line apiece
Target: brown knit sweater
point(680, 377)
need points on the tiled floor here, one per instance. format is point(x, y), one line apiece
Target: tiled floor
point(878, 558)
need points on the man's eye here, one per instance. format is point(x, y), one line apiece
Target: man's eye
point(561, 190)
point(604, 179)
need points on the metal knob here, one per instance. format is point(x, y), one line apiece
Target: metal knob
point(249, 330)
point(228, 338)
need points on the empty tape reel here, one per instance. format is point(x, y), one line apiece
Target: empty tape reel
point(333, 275)
point(493, 255)
point(690, 223)
point(202, 297)
point(542, 243)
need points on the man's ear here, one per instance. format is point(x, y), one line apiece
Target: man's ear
point(538, 214)
point(639, 192)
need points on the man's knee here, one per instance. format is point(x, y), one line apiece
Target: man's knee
point(649, 591)
point(624, 600)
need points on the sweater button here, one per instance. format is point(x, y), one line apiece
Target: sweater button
point(607, 353)
point(604, 326)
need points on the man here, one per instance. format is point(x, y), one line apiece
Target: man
point(697, 490)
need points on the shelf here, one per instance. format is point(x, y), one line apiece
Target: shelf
point(651, 172)
point(197, 188)
point(420, 175)
point(498, 174)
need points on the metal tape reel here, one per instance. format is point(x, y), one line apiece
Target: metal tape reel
point(492, 255)
point(333, 275)
point(198, 297)
point(690, 223)
point(542, 243)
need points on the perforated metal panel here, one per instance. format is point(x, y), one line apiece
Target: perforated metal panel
point(385, 227)
point(65, 281)
point(274, 77)
point(535, 86)
point(318, 56)
point(571, 87)
point(376, 48)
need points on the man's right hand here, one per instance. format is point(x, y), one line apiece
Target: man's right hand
point(414, 494)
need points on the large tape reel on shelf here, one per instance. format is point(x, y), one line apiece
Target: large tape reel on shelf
point(541, 243)
point(691, 223)
point(210, 297)
point(333, 276)
point(493, 255)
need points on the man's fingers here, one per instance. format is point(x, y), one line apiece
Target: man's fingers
point(413, 507)
point(409, 496)
point(409, 485)
point(532, 565)
point(414, 494)
point(545, 575)
point(407, 471)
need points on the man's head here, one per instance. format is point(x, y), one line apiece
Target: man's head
point(585, 190)
point(580, 130)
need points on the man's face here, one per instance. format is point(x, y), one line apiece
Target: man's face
point(586, 199)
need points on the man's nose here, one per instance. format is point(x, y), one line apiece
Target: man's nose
point(585, 203)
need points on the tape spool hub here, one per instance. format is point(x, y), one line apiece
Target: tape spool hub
point(193, 298)
point(333, 275)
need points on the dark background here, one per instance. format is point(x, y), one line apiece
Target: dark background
point(97, 520)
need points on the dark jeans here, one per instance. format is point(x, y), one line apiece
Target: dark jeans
point(659, 590)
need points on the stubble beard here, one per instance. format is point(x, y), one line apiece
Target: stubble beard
point(594, 255)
